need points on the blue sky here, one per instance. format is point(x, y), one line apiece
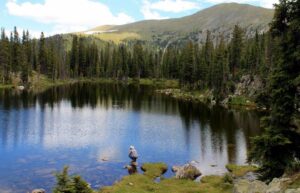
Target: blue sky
point(62, 16)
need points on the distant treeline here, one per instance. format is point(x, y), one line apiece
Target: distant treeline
point(198, 66)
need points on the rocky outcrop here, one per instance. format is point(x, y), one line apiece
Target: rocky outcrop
point(246, 186)
point(278, 185)
point(249, 86)
point(292, 190)
point(187, 171)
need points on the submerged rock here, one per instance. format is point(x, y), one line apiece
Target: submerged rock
point(21, 87)
point(187, 171)
point(38, 191)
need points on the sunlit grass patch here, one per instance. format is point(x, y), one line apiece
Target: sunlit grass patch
point(239, 171)
point(117, 37)
point(154, 169)
point(241, 101)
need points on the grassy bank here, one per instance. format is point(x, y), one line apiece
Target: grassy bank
point(239, 171)
point(42, 82)
point(241, 101)
point(5, 86)
point(145, 183)
point(206, 96)
point(197, 96)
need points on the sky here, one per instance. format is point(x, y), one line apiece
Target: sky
point(63, 16)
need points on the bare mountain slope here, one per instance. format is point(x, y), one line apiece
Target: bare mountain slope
point(218, 19)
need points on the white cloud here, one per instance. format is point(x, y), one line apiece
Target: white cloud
point(175, 6)
point(148, 13)
point(150, 9)
point(268, 3)
point(262, 3)
point(68, 15)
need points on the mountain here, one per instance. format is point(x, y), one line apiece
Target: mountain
point(219, 19)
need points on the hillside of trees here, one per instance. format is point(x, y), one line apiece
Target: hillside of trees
point(215, 66)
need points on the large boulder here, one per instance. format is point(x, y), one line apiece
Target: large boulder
point(38, 191)
point(187, 171)
point(246, 186)
point(278, 185)
point(132, 168)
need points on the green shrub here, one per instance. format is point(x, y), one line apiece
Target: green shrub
point(70, 184)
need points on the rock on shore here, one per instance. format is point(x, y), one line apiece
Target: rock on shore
point(278, 185)
point(187, 171)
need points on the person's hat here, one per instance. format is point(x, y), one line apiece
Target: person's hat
point(131, 147)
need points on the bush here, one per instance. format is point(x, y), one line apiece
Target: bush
point(70, 184)
point(228, 178)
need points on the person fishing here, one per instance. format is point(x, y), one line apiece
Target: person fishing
point(133, 155)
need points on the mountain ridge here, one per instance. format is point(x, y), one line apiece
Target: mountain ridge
point(219, 19)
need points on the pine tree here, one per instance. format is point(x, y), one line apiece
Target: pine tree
point(52, 62)
point(64, 183)
point(218, 70)
point(138, 60)
point(42, 56)
point(236, 50)
point(208, 58)
point(4, 57)
point(94, 61)
point(25, 63)
point(123, 62)
point(188, 64)
point(278, 149)
point(70, 184)
point(82, 58)
point(81, 186)
point(16, 51)
point(74, 61)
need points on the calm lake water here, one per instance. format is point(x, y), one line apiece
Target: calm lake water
point(80, 125)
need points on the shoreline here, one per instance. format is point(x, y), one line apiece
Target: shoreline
point(44, 83)
point(206, 97)
point(167, 87)
point(238, 179)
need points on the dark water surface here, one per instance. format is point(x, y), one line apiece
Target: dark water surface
point(80, 125)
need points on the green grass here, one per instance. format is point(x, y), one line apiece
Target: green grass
point(154, 170)
point(139, 183)
point(117, 37)
point(160, 83)
point(241, 101)
point(144, 183)
point(239, 171)
point(4, 86)
point(41, 82)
